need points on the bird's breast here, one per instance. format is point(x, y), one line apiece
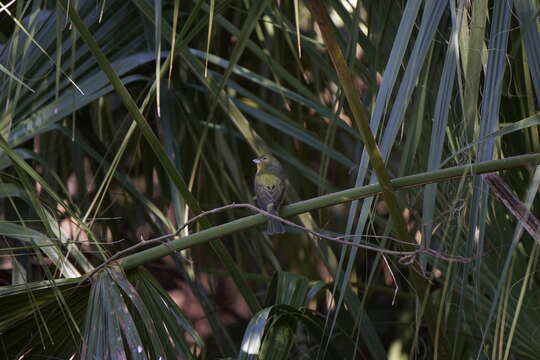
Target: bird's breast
point(268, 180)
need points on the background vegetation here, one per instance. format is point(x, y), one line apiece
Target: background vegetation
point(120, 120)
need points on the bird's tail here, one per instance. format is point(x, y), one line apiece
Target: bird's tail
point(274, 226)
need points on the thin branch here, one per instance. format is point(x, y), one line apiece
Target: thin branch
point(407, 257)
point(396, 288)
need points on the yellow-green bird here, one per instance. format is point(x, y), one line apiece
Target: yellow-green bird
point(269, 188)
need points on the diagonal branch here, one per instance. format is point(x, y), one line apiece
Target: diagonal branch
point(361, 117)
point(407, 257)
point(206, 235)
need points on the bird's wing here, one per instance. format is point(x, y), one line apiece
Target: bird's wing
point(269, 193)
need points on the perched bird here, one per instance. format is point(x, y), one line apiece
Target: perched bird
point(269, 188)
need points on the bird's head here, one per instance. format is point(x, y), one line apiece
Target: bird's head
point(266, 161)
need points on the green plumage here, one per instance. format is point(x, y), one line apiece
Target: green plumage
point(269, 188)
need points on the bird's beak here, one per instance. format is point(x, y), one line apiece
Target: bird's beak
point(256, 161)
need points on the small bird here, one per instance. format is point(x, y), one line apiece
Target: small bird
point(270, 186)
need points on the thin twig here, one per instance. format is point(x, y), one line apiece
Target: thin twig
point(396, 288)
point(407, 257)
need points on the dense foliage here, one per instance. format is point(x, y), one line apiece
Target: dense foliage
point(121, 120)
